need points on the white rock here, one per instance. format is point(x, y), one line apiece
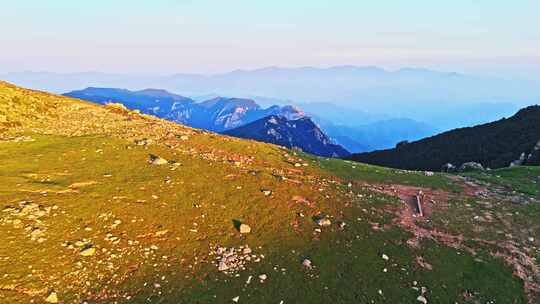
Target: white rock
point(236, 299)
point(324, 222)
point(422, 299)
point(244, 228)
point(222, 266)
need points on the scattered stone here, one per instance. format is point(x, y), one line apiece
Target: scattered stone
point(156, 160)
point(244, 229)
point(52, 298)
point(223, 265)
point(89, 251)
point(422, 299)
point(307, 263)
point(324, 222)
point(385, 257)
point(247, 250)
point(143, 142)
point(448, 167)
point(236, 299)
point(161, 233)
point(263, 277)
point(266, 192)
point(471, 166)
point(232, 260)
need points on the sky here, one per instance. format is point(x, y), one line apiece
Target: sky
point(212, 36)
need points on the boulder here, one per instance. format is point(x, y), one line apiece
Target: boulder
point(471, 166)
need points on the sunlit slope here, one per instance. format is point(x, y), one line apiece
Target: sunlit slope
point(88, 215)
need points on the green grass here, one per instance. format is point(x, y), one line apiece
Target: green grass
point(350, 170)
point(164, 221)
point(521, 179)
point(348, 264)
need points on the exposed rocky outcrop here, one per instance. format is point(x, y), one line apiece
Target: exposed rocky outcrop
point(301, 133)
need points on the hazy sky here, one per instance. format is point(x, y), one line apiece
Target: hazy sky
point(208, 36)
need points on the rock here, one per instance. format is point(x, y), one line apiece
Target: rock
point(448, 167)
point(52, 298)
point(161, 233)
point(266, 192)
point(236, 299)
point(263, 277)
point(471, 166)
point(244, 229)
point(156, 160)
point(89, 251)
point(422, 299)
point(519, 161)
point(324, 222)
point(306, 263)
point(36, 233)
point(223, 265)
point(385, 257)
point(143, 142)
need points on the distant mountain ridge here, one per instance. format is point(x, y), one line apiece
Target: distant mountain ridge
point(217, 114)
point(357, 131)
point(514, 140)
point(288, 125)
point(443, 99)
point(376, 135)
point(301, 133)
point(149, 101)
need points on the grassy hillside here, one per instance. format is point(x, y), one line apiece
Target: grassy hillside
point(85, 217)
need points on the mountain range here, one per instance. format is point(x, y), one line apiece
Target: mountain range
point(445, 100)
point(290, 127)
point(509, 141)
point(355, 130)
